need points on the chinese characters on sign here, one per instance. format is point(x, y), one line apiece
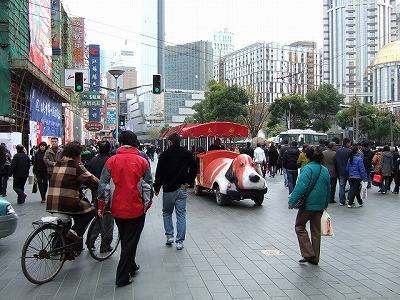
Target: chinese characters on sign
point(91, 99)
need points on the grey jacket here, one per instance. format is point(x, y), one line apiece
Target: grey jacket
point(50, 158)
point(329, 162)
point(386, 165)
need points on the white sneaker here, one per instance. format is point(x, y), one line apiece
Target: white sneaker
point(170, 241)
point(179, 245)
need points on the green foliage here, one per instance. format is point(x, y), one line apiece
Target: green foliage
point(324, 103)
point(164, 129)
point(222, 103)
point(291, 109)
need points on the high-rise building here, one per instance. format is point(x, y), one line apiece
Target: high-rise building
point(224, 43)
point(272, 70)
point(354, 31)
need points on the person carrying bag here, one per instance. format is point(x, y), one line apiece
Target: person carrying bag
point(316, 202)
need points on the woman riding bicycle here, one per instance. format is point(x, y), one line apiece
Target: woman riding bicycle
point(69, 175)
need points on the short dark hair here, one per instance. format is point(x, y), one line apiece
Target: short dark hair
point(174, 138)
point(293, 144)
point(346, 141)
point(314, 154)
point(104, 147)
point(54, 138)
point(128, 137)
point(365, 144)
point(72, 149)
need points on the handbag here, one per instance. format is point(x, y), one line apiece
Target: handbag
point(364, 190)
point(326, 224)
point(377, 179)
point(301, 202)
point(34, 187)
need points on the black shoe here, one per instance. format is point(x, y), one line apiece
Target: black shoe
point(23, 199)
point(333, 201)
point(125, 283)
point(307, 259)
point(135, 270)
point(395, 192)
point(313, 262)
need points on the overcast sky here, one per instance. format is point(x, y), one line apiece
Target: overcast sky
point(281, 21)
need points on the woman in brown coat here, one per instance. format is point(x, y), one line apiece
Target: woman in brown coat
point(69, 175)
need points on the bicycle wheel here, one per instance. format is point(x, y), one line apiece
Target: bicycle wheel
point(43, 254)
point(102, 238)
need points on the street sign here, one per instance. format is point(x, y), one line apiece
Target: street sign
point(113, 133)
point(111, 117)
point(93, 126)
point(91, 99)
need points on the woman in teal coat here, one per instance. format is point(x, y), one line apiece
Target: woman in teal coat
point(316, 202)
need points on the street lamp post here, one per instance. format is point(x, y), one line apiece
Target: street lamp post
point(116, 74)
point(356, 130)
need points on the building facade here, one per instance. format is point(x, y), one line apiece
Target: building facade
point(223, 43)
point(272, 70)
point(354, 30)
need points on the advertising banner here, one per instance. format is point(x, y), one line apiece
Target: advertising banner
point(45, 110)
point(78, 42)
point(40, 51)
point(56, 26)
point(94, 69)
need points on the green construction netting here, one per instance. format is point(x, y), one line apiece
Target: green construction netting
point(5, 82)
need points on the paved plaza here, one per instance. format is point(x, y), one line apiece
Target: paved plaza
point(240, 251)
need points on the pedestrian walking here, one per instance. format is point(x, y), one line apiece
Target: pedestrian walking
point(386, 168)
point(40, 170)
point(176, 170)
point(368, 155)
point(341, 157)
point(272, 160)
point(355, 168)
point(329, 162)
point(248, 150)
point(5, 164)
point(52, 155)
point(259, 158)
point(19, 169)
point(316, 177)
point(130, 199)
point(303, 160)
point(283, 148)
point(289, 163)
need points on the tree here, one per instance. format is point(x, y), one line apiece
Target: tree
point(164, 129)
point(324, 103)
point(291, 109)
point(257, 112)
point(222, 103)
point(154, 133)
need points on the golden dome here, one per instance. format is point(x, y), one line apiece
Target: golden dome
point(390, 53)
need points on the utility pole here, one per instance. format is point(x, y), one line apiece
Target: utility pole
point(357, 129)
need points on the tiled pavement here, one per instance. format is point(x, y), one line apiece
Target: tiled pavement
point(225, 258)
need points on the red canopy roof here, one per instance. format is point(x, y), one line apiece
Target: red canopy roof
point(222, 129)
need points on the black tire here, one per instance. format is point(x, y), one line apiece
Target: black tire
point(102, 230)
point(219, 197)
point(198, 190)
point(43, 254)
point(258, 200)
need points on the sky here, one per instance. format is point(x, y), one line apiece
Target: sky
point(281, 21)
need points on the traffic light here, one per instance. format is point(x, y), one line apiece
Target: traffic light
point(156, 84)
point(78, 82)
point(121, 121)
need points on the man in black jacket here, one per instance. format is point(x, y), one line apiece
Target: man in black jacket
point(176, 170)
point(19, 169)
point(368, 155)
point(289, 162)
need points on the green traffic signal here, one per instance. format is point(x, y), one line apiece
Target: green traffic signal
point(78, 83)
point(156, 84)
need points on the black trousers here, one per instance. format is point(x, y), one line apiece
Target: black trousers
point(129, 232)
point(19, 187)
point(81, 221)
point(3, 184)
point(333, 188)
point(42, 182)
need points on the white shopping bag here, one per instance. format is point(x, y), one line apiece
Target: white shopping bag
point(364, 190)
point(326, 225)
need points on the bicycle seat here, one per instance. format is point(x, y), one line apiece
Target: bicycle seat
point(55, 217)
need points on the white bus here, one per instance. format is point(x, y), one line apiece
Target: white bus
point(303, 136)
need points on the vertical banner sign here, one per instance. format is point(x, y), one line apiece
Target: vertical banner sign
point(45, 110)
point(78, 42)
point(56, 26)
point(94, 71)
point(40, 51)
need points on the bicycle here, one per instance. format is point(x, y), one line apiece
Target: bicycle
point(47, 247)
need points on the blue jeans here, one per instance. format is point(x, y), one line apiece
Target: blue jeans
point(177, 200)
point(291, 179)
point(342, 187)
point(284, 171)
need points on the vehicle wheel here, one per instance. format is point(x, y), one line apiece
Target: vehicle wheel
point(102, 238)
point(221, 198)
point(258, 200)
point(43, 254)
point(198, 190)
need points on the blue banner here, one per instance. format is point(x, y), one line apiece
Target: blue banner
point(43, 109)
point(94, 69)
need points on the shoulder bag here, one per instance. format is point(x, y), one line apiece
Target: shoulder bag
point(301, 203)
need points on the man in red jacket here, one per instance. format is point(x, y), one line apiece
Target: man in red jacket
point(131, 197)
